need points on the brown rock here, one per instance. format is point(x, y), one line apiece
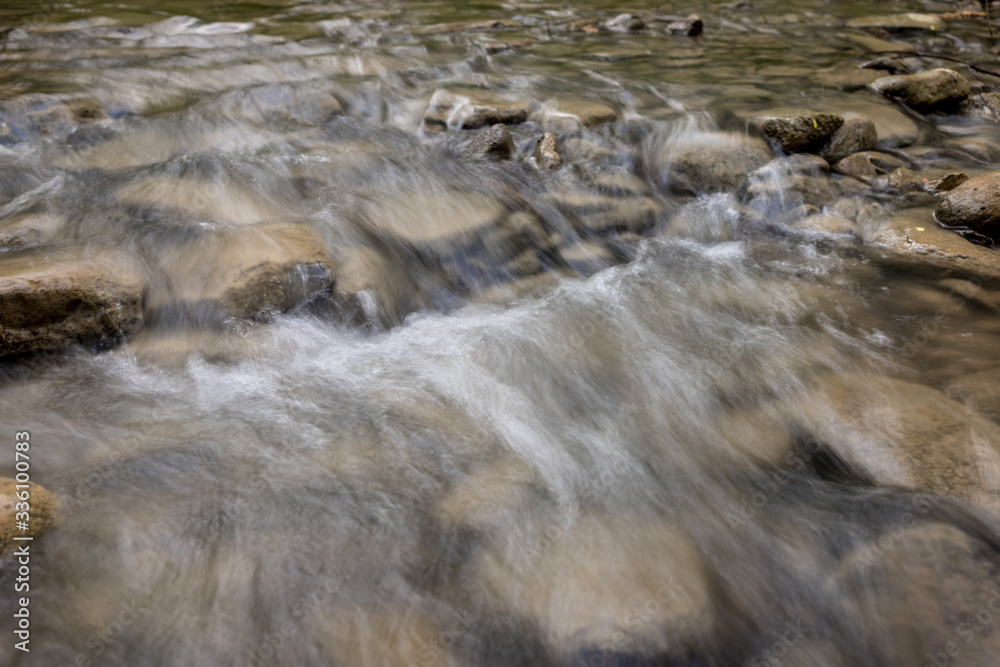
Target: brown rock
point(799, 133)
point(49, 301)
point(245, 272)
point(44, 512)
point(938, 89)
point(546, 156)
point(974, 204)
point(856, 134)
point(494, 141)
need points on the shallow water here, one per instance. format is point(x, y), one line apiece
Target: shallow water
point(687, 440)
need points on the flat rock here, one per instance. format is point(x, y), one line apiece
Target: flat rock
point(912, 235)
point(901, 21)
point(243, 272)
point(710, 162)
point(565, 116)
point(473, 111)
point(603, 214)
point(51, 300)
point(433, 220)
point(45, 512)
point(865, 165)
point(974, 204)
point(469, 26)
point(938, 89)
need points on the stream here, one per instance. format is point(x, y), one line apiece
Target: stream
point(646, 408)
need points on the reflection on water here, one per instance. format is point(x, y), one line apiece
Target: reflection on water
point(389, 403)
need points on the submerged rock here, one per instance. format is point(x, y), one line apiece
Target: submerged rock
point(28, 231)
point(546, 155)
point(903, 21)
point(903, 434)
point(243, 272)
point(52, 300)
point(974, 204)
point(936, 90)
point(565, 116)
point(626, 23)
point(710, 162)
point(45, 511)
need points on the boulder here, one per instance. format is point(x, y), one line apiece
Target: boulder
point(494, 141)
point(799, 133)
point(710, 162)
point(546, 155)
point(243, 272)
point(51, 300)
point(974, 204)
point(858, 133)
point(43, 514)
point(935, 90)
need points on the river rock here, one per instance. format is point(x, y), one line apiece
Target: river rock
point(799, 133)
point(903, 434)
point(710, 162)
point(858, 133)
point(974, 204)
point(935, 90)
point(471, 112)
point(470, 26)
point(901, 21)
point(566, 116)
point(912, 236)
point(243, 272)
point(44, 512)
point(983, 106)
point(373, 287)
point(51, 300)
point(626, 23)
point(692, 26)
point(28, 231)
point(40, 115)
point(602, 214)
point(926, 588)
point(866, 165)
point(577, 579)
point(545, 155)
point(494, 141)
point(435, 222)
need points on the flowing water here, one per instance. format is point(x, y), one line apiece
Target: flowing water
point(707, 438)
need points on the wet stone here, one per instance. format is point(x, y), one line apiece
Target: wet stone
point(626, 23)
point(566, 116)
point(710, 162)
point(242, 272)
point(974, 204)
point(45, 513)
point(799, 133)
point(29, 231)
point(546, 156)
point(692, 26)
point(493, 142)
point(935, 90)
point(53, 300)
point(858, 133)
point(462, 112)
